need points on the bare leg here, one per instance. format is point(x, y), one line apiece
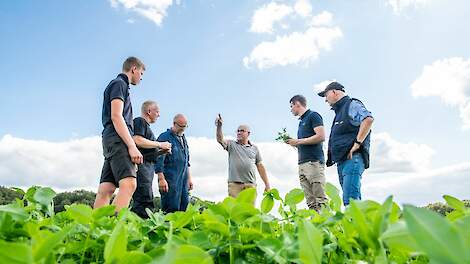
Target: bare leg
point(127, 187)
point(105, 192)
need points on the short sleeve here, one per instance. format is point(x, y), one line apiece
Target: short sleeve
point(117, 91)
point(140, 127)
point(258, 158)
point(358, 112)
point(229, 145)
point(315, 120)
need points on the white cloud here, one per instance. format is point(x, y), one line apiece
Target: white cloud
point(296, 48)
point(390, 155)
point(325, 18)
point(448, 79)
point(397, 168)
point(155, 10)
point(264, 17)
point(303, 8)
point(300, 46)
point(399, 6)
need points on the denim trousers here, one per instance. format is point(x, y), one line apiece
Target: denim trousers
point(350, 174)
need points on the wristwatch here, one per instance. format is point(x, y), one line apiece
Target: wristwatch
point(358, 142)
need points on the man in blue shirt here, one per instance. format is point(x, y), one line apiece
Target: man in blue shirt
point(349, 142)
point(310, 136)
point(119, 149)
point(174, 177)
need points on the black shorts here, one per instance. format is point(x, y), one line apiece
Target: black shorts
point(117, 162)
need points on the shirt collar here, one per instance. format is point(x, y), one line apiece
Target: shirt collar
point(305, 114)
point(124, 77)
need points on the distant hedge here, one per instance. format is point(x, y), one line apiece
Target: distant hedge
point(7, 195)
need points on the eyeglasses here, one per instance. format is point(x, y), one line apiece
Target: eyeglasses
point(242, 130)
point(185, 126)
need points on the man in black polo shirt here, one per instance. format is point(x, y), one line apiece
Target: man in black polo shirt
point(119, 149)
point(149, 147)
point(310, 136)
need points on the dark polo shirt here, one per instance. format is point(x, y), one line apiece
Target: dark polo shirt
point(142, 128)
point(308, 121)
point(116, 89)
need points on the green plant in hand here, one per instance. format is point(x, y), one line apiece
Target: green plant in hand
point(283, 136)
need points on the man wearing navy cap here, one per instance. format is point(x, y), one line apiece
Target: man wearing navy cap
point(349, 142)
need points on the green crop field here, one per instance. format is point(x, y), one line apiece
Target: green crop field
point(234, 231)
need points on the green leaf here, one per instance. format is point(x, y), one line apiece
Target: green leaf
point(116, 246)
point(267, 204)
point(275, 194)
point(310, 243)
point(45, 246)
point(135, 257)
point(360, 223)
point(455, 203)
point(44, 196)
point(186, 254)
point(272, 248)
point(398, 237)
point(81, 213)
point(243, 211)
point(103, 212)
point(294, 197)
point(335, 199)
point(15, 253)
point(247, 196)
point(17, 213)
point(436, 236)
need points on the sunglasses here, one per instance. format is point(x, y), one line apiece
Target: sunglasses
point(242, 130)
point(185, 126)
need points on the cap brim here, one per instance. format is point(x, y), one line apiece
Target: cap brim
point(322, 93)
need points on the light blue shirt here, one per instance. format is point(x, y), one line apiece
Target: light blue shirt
point(358, 112)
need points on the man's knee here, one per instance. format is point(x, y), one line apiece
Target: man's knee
point(106, 189)
point(128, 184)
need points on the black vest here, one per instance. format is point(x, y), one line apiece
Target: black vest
point(344, 133)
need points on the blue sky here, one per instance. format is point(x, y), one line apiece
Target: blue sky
point(58, 57)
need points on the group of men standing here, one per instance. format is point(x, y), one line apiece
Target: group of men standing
point(133, 155)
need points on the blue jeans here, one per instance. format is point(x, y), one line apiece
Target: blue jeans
point(350, 174)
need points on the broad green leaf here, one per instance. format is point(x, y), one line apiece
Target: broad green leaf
point(200, 239)
point(381, 220)
point(335, 199)
point(135, 257)
point(455, 203)
point(267, 204)
point(183, 218)
point(275, 194)
point(310, 243)
point(186, 254)
point(116, 246)
point(103, 211)
point(247, 196)
point(243, 211)
point(272, 248)
point(249, 234)
point(360, 223)
point(435, 236)
point(44, 196)
point(217, 227)
point(463, 226)
point(15, 253)
point(44, 247)
point(398, 237)
point(81, 213)
point(294, 197)
point(17, 213)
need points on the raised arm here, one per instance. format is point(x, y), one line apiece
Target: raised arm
point(219, 134)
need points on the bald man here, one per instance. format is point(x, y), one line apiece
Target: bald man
point(174, 177)
point(244, 159)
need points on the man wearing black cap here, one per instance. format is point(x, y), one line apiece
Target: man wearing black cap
point(349, 141)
